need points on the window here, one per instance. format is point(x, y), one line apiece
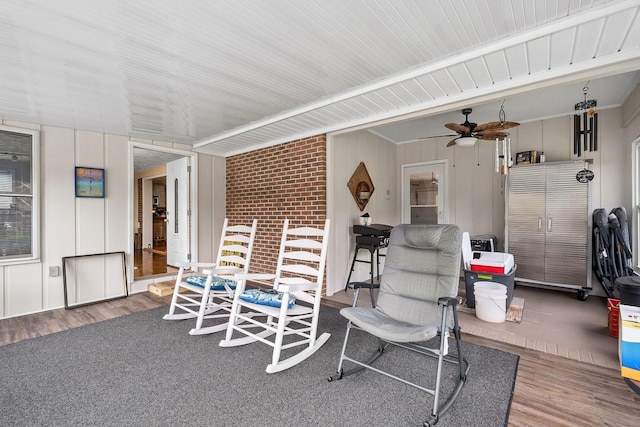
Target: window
point(635, 217)
point(424, 193)
point(18, 194)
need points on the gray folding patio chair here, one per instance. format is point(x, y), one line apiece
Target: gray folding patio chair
point(415, 309)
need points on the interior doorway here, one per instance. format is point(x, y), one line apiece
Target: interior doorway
point(150, 248)
point(424, 192)
point(150, 212)
point(159, 212)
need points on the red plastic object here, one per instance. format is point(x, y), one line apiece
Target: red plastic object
point(487, 268)
point(613, 307)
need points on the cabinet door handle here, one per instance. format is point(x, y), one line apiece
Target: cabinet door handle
point(539, 223)
point(549, 224)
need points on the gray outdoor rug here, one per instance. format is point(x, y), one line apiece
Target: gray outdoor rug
point(140, 370)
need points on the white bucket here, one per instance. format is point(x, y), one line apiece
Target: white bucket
point(491, 301)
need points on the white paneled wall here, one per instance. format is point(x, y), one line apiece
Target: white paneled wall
point(58, 210)
point(344, 154)
point(90, 213)
point(116, 208)
point(77, 226)
point(476, 191)
point(211, 204)
point(23, 290)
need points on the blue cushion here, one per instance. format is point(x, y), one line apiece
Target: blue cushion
point(269, 297)
point(217, 284)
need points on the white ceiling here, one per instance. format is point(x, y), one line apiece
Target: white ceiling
point(229, 76)
point(144, 160)
point(609, 92)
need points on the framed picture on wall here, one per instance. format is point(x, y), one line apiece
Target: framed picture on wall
point(89, 182)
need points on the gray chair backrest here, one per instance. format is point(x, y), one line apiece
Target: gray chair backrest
point(422, 264)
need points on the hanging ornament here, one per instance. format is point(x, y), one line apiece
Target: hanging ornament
point(503, 147)
point(584, 176)
point(585, 124)
point(503, 155)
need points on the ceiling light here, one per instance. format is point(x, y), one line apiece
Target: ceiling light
point(466, 141)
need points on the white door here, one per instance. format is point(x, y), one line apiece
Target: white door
point(178, 202)
point(424, 189)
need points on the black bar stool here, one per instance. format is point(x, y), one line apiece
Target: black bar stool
point(371, 238)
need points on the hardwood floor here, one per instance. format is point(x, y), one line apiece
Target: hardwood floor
point(554, 391)
point(549, 390)
point(16, 329)
point(150, 262)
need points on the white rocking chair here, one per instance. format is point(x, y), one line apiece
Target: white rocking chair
point(208, 292)
point(299, 274)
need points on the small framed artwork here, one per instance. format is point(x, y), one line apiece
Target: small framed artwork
point(155, 200)
point(89, 182)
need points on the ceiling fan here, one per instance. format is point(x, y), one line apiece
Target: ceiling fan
point(470, 132)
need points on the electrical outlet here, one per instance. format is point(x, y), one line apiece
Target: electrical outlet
point(54, 271)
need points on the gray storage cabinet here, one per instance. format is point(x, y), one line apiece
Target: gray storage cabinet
point(548, 224)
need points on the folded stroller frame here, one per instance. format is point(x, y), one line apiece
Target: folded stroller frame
point(612, 256)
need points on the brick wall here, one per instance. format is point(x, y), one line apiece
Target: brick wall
point(284, 181)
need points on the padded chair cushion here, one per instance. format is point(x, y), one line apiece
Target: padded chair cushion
point(377, 323)
point(217, 284)
point(421, 266)
point(269, 297)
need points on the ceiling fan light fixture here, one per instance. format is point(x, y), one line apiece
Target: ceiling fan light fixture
point(466, 141)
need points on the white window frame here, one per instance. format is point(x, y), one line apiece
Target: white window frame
point(635, 190)
point(443, 202)
point(35, 194)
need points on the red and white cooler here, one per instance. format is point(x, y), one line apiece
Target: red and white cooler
point(492, 262)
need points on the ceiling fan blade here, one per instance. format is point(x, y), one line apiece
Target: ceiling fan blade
point(495, 126)
point(452, 143)
point(509, 125)
point(490, 136)
point(457, 127)
point(436, 136)
point(487, 126)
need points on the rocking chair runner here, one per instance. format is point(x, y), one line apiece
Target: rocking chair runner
point(416, 302)
point(299, 273)
point(208, 292)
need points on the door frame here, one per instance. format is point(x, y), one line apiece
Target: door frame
point(634, 214)
point(132, 204)
point(147, 190)
point(442, 187)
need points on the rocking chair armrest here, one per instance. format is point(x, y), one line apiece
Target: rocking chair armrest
point(450, 301)
point(221, 270)
point(254, 276)
point(295, 287)
point(196, 265)
point(359, 285)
